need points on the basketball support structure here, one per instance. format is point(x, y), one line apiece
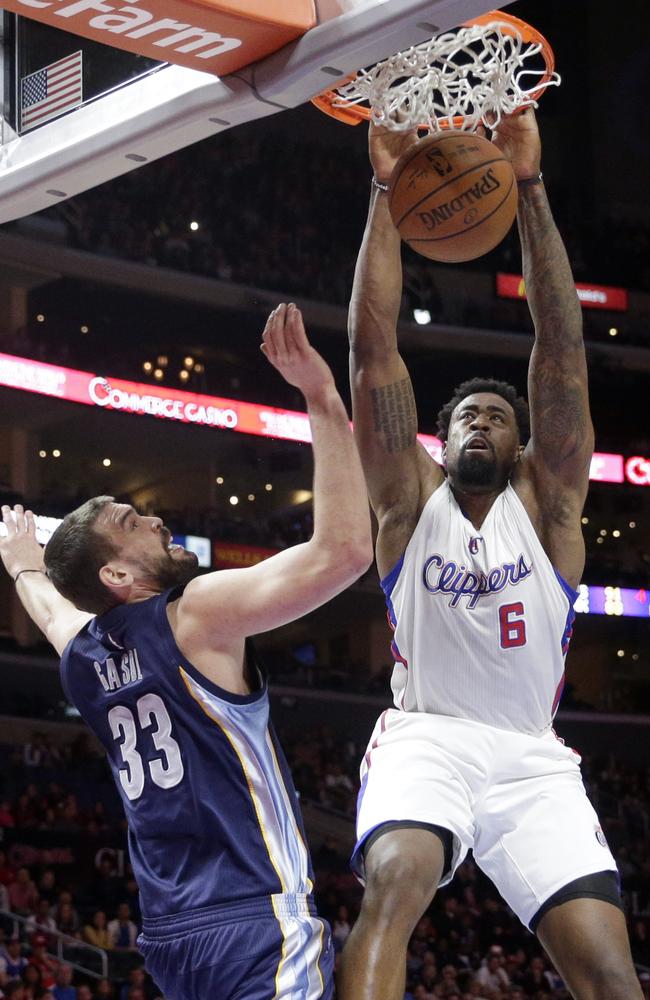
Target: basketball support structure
point(173, 106)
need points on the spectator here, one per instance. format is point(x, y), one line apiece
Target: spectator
point(137, 980)
point(123, 932)
point(96, 932)
point(23, 895)
point(84, 992)
point(64, 990)
point(67, 919)
point(104, 990)
point(41, 920)
point(13, 963)
point(534, 982)
point(46, 964)
point(492, 974)
point(33, 980)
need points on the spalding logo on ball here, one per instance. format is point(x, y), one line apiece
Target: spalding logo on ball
point(453, 196)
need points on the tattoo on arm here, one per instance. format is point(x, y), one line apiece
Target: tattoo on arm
point(394, 414)
point(558, 373)
point(562, 416)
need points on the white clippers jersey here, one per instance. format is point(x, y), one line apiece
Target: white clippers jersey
point(482, 621)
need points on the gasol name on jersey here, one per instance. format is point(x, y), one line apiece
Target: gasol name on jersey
point(116, 672)
point(442, 576)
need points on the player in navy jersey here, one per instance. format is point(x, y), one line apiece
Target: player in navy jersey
point(158, 663)
point(479, 563)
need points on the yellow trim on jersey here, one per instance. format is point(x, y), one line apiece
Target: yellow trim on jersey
point(256, 804)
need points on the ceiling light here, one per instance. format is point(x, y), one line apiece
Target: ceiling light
point(422, 316)
point(194, 226)
point(234, 501)
point(268, 487)
point(188, 361)
point(147, 367)
point(620, 652)
point(219, 480)
point(42, 454)
point(40, 318)
point(56, 453)
point(613, 331)
point(162, 360)
point(251, 496)
point(602, 532)
point(632, 524)
point(183, 375)
point(158, 373)
point(585, 520)
point(84, 328)
point(616, 533)
point(106, 462)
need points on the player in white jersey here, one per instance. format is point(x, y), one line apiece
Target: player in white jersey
point(479, 562)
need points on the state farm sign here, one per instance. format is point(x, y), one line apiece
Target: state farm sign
point(218, 36)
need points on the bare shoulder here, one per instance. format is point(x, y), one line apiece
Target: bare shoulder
point(398, 521)
point(220, 658)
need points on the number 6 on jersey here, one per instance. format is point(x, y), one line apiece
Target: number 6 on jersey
point(512, 626)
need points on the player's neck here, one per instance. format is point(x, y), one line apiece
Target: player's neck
point(475, 506)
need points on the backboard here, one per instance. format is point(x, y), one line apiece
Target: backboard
point(114, 110)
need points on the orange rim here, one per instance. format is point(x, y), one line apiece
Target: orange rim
point(355, 114)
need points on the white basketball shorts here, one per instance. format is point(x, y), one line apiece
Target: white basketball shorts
point(516, 800)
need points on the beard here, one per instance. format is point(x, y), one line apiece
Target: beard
point(175, 571)
point(477, 470)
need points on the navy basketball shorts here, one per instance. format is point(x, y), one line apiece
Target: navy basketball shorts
point(271, 948)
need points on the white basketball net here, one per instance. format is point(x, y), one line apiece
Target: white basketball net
point(476, 72)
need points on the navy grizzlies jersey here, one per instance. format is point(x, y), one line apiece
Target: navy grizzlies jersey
point(211, 807)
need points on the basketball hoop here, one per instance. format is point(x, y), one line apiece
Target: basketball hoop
point(472, 75)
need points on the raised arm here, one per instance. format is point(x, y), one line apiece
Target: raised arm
point(22, 557)
point(556, 460)
point(230, 604)
point(399, 473)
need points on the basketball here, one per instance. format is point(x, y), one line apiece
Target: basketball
point(453, 196)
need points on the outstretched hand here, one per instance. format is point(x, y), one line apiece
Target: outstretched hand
point(385, 146)
point(286, 346)
point(19, 549)
point(517, 136)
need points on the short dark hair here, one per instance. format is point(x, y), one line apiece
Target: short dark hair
point(74, 555)
point(503, 389)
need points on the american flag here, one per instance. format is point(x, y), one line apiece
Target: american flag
point(50, 91)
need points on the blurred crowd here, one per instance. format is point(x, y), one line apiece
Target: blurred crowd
point(299, 220)
point(468, 944)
